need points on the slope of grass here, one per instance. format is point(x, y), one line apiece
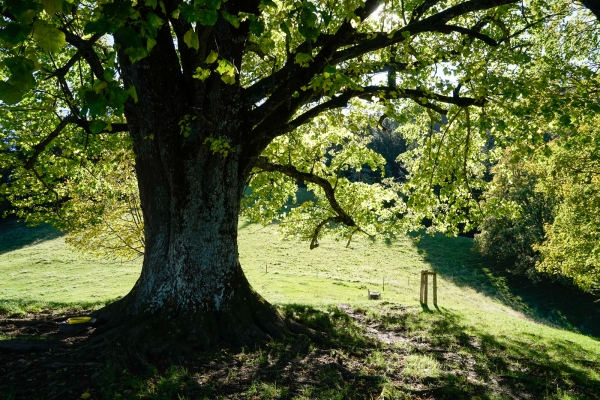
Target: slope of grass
point(489, 337)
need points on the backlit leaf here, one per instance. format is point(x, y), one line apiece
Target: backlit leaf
point(136, 53)
point(303, 59)
point(191, 39)
point(201, 73)
point(54, 6)
point(212, 57)
point(48, 37)
point(232, 19)
point(132, 93)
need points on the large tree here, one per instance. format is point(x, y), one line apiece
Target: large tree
point(210, 95)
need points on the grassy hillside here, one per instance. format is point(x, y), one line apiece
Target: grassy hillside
point(493, 335)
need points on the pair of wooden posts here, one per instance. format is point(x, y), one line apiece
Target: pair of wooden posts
point(424, 287)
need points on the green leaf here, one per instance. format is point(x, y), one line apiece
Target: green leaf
point(10, 94)
point(285, 28)
point(208, 17)
point(212, 57)
point(150, 43)
point(132, 93)
point(326, 18)
point(257, 27)
point(99, 85)
point(212, 4)
point(97, 126)
point(109, 74)
point(53, 6)
point(232, 19)
point(15, 33)
point(128, 37)
point(405, 34)
point(48, 37)
point(201, 73)
point(96, 103)
point(154, 20)
point(309, 22)
point(21, 70)
point(191, 39)
point(268, 3)
point(151, 3)
point(24, 10)
point(227, 71)
point(99, 26)
point(136, 53)
point(228, 79)
point(303, 59)
point(266, 44)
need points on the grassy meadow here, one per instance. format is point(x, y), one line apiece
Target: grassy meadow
point(493, 335)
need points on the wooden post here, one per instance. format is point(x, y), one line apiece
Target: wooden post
point(435, 289)
point(425, 295)
point(422, 288)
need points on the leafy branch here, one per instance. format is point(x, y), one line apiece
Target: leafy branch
point(341, 216)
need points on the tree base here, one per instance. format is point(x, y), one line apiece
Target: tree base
point(248, 320)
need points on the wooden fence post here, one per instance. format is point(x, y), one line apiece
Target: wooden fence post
point(435, 289)
point(422, 288)
point(423, 295)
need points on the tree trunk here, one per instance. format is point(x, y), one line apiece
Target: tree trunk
point(192, 289)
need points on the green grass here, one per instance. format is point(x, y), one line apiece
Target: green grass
point(492, 335)
point(40, 271)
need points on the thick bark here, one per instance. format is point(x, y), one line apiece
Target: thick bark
point(192, 288)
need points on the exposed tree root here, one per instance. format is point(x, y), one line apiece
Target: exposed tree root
point(247, 321)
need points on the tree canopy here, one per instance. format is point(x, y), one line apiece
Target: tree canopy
point(203, 98)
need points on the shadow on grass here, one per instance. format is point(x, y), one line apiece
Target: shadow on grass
point(15, 235)
point(462, 362)
point(476, 362)
point(546, 302)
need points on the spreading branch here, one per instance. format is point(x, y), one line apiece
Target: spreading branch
point(41, 146)
point(85, 47)
point(420, 96)
point(292, 76)
point(429, 24)
point(341, 217)
point(447, 29)
point(418, 12)
point(71, 119)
